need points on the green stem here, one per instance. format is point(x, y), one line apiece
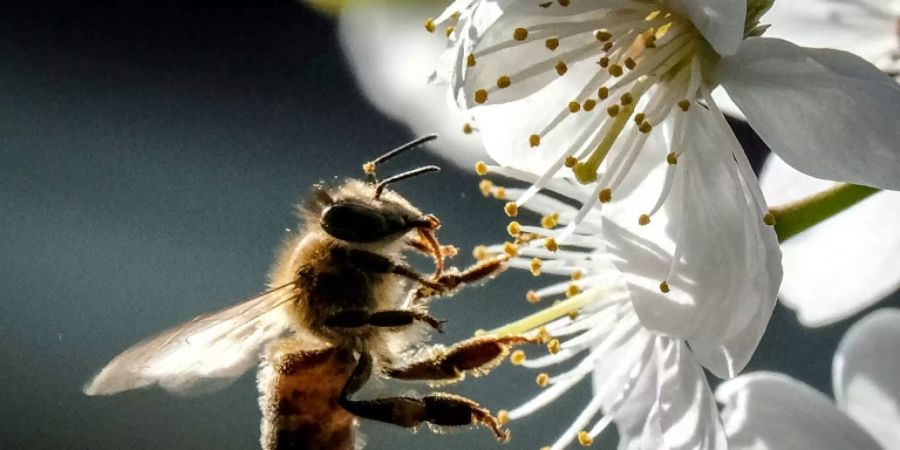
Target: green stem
point(794, 218)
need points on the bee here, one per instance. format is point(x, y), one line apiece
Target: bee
point(351, 307)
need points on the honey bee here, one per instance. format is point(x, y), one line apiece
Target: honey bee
point(352, 308)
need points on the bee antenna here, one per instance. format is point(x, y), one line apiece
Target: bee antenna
point(379, 188)
point(369, 167)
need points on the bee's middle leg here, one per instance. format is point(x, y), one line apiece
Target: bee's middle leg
point(438, 409)
point(355, 318)
point(477, 355)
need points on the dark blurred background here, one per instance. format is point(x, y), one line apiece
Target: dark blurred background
point(151, 154)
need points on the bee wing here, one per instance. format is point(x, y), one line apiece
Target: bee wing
point(202, 355)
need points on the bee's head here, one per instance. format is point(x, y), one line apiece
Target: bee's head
point(365, 212)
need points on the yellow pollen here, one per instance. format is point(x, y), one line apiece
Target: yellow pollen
point(502, 417)
point(369, 168)
point(577, 274)
point(543, 335)
point(551, 244)
point(585, 439)
point(574, 107)
point(664, 287)
point(535, 267)
point(511, 209)
point(572, 290)
point(570, 161)
point(645, 127)
point(644, 219)
point(650, 40)
point(534, 140)
point(499, 193)
point(616, 70)
point(514, 228)
point(517, 357)
point(455, 15)
point(603, 35)
point(470, 60)
point(429, 25)
point(551, 43)
point(613, 110)
point(672, 158)
point(481, 168)
point(607, 46)
point(486, 187)
point(626, 99)
point(639, 117)
point(589, 104)
point(481, 96)
point(467, 128)
point(563, 3)
point(603, 93)
point(605, 195)
point(503, 82)
point(542, 379)
point(769, 219)
point(520, 34)
point(480, 252)
point(561, 68)
point(550, 220)
point(479, 332)
point(630, 63)
point(532, 297)
point(604, 62)
point(573, 315)
point(511, 249)
point(553, 346)
point(684, 105)
point(448, 31)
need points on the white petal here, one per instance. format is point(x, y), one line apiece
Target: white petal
point(766, 410)
point(391, 56)
point(842, 265)
point(721, 22)
point(828, 113)
point(724, 285)
point(867, 375)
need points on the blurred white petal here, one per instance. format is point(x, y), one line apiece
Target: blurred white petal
point(720, 21)
point(842, 265)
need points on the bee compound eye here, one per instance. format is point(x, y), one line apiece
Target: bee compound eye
point(357, 222)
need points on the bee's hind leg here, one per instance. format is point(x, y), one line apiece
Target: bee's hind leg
point(438, 409)
point(477, 355)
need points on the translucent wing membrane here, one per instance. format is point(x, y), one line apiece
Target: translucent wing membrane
point(202, 355)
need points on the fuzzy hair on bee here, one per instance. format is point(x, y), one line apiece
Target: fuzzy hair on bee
point(342, 305)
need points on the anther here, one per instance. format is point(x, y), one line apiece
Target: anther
point(603, 93)
point(481, 168)
point(481, 96)
point(585, 439)
point(551, 244)
point(644, 219)
point(535, 266)
point(553, 346)
point(550, 220)
point(545, 5)
point(514, 228)
point(572, 290)
point(563, 3)
point(570, 161)
point(511, 249)
point(672, 158)
point(645, 127)
point(534, 140)
point(502, 417)
point(650, 40)
point(480, 252)
point(589, 104)
point(604, 62)
point(577, 274)
point(574, 107)
point(551, 43)
point(616, 70)
point(520, 34)
point(499, 193)
point(369, 168)
point(607, 46)
point(605, 195)
point(769, 218)
point(470, 60)
point(448, 31)
point(684, 104)
point(573, 315)
point(543, 336)
point(626, 99)
point(532, 297)
point(561, 68)
point(613, 110)
point(429, 25)
point(503, 82)
point(630, 63)
point(603, 35)
point(517, 357)
point(639, 117)
point(486, 187)
point(664, 287)
point(511, 209)
point(467, 128)
point(542, 379)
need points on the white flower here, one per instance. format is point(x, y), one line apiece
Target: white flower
point(842, 265)
point(773, 411)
